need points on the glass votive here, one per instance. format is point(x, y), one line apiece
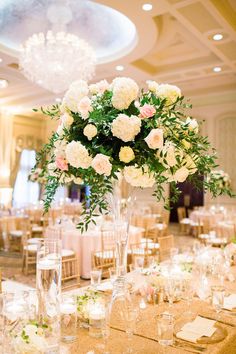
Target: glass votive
point(217, 293)
point(68, 310)
point(95, 275)
point(165, 328)
point(97, 317)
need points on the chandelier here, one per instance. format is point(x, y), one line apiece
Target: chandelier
point(58, 58)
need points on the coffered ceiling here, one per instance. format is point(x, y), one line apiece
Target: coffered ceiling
point(174, 45)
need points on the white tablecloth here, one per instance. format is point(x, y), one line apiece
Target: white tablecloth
point(84, 245)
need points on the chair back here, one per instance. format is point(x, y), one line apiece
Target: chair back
point(181, 211)
point(165, 244)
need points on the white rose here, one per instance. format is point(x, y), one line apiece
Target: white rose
point(126, 154)
point(169, 92)
point(155, 139)
point(190, 164)
point(90, 131)
point(66, 120)
point(139, 177)
point(192, 124)
point(152, 86)
point(99, 88)
point(125, 127)
point(181, 174)
point(102, 165)
point(85, 107)
point(77, 155)
point(77, 90)
point(125, 91)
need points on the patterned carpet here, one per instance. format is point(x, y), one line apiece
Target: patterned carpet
point(11, 263)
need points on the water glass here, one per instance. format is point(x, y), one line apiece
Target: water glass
point(112, 273)
point(95, 275)
point(68, 310)
point(217, 293)
point(165, 329)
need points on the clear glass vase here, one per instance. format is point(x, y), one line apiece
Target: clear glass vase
point(48, 281)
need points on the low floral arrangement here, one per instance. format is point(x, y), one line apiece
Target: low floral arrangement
point(107, 129)
point(220, 179)
point(83, 304)
point(37, 175)
point(31, 339)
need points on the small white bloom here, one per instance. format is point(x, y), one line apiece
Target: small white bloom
point(125, 127)
point(65, 179)
point(77, 155)
point(181, 174)
point(60, 129)
point(139, 177)
point(192, 124)
point(155, 139)
point(77, 90)
point(125, 91)
point(60, 147)
point(90, 131)
point(77, 180)
point(165, 91)
point(102, 165)
point(51, 168)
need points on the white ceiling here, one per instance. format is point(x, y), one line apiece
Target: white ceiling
point(174, 45)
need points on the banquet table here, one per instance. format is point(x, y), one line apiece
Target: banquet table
point(211, 217)
point(85, 244)
point(145, 338)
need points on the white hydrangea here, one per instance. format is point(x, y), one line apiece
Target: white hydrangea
point(77, 155)
point(169, 92)
point(60, 148)
point(125, 91)
point(99, 88)
point(139, 177)
point(125, 127)
point(77, 90)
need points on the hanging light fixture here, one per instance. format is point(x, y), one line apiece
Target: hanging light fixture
point(58, 58)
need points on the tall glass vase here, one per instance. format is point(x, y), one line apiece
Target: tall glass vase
point(48, 281)
point(121, 203)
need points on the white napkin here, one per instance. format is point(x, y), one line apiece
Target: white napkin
point(194, 330)
point(105, 286)
point(230, 302)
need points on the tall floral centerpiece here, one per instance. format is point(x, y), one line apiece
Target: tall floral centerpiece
point(221, 180)
point(106, 130)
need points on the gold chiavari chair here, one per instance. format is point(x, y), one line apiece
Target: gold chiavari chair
point(165, 244)
point(29, 255)
point(105, 258)
point(70, 270)
point(142, 250)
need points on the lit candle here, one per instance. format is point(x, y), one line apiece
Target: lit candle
point(67, 308)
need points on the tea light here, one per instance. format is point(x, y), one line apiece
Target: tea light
point(67, 308)
point(96, 312)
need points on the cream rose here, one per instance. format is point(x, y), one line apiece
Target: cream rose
point(125, 91)
point(139, 177)
point(85, 107)
point(77, 90)
point(181, 174)
point(126, 154)
point(102, 165)
point(192, 124)
point(67, 120)
point(90, 131)
point(77, 155)
point(99, 88)
point(155, 139)
point(125, 127)
point(169, 92)
point(190, 164)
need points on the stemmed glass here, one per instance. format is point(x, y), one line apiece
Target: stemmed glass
point(218, 293)
point(188, 292)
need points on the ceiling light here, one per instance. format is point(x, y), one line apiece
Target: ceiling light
point(3, 83)
point(58, 100)
point(217, 69)
point(0, 60)
point(147, 7)
point(55, 59)
point(119, 67)
point(218, 37)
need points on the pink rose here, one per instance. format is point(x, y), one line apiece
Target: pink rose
point(147, 111)
point(102, 165)
point(84, 107)
point(155, 139)
point(62, 163)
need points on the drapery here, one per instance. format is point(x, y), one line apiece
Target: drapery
point(6, 138)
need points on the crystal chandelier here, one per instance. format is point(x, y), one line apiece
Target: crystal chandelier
point(58, 58)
